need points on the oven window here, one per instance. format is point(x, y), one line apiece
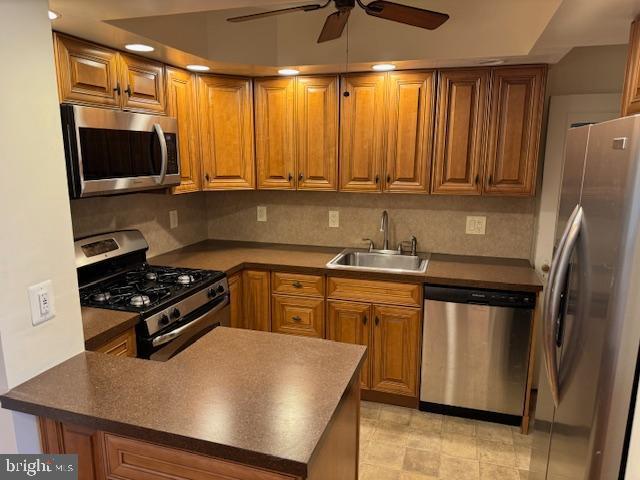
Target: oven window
point(119, 153)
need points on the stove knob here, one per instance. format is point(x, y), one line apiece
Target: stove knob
point(211, 293)
point(220, 289)
point(164, 320)
point(175, 313)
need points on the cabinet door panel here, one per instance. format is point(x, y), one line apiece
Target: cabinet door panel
point(460, 130)
point(124, 345)
point(362, 132)
point(349, 322)
point(395, 350)
point(226, 132)
point(410, 131)
point(317, 132)
point(298, 316)
point(87, 74)
point(236, 314)
point(256, 303)
point(517, 98)
point(181, 103)
point(631, 92)
point(275, 149)
point(142, 83)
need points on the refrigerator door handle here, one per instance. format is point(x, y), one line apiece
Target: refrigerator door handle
point(552, 301)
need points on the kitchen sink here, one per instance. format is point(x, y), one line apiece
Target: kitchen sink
point(379, 261)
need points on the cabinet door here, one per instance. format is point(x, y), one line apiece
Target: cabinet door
point(237, 318)
point(142, 83)
point(317, 132)
point(410, 106)
point(256, 300)
point(181, 103)
point(275, 147)
point(298, 316)
point(87, 74)
point(517, 100)
point(460, 130)
point(349, 322)
point(395, 350)
point(226, 132)
point(362, 132)
point(124, 345)
point(631, 92)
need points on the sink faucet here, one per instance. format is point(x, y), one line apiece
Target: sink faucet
point(384, 227)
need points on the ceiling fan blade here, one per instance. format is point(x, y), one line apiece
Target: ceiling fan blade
point(254, 16)
point(417, 17)
point(334, 25)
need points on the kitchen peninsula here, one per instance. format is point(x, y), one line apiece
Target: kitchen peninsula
point(237, 404)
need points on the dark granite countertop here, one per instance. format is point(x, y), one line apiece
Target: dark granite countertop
point(257, 398)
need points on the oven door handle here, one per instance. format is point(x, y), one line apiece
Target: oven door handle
point(167, 337)
point(163, 150)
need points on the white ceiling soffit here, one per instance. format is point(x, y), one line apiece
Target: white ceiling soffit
point(196, 31)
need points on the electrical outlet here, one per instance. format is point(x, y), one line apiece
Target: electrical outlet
point(476, 225)
point(41, 301)
point(173, 219)
point(334, 218)
point(262, 213)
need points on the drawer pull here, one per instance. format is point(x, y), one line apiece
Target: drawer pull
point(364, 320)
point(377, 321)
point(296, 284)
point(296, 318)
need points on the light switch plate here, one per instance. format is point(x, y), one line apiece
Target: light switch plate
point(334, 218)
point(173, 219)
point(262, 213)
point(476, 225)
point(41, 301)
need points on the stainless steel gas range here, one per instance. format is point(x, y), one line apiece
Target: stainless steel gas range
point(176, 306)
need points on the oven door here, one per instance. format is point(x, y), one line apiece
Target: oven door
point(109, 151)
point(168, 343)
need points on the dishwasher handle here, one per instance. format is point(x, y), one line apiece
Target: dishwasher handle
point(475, 296)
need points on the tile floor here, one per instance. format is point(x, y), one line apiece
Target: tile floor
point(404, 444)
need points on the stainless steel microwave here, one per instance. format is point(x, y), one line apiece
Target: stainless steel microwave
point(110, 151)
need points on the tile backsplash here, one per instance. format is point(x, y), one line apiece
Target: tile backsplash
point(437, 221)
point(147, 212)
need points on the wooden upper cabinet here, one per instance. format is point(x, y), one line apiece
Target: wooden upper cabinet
point(181, 103)
point(256, 300)
point(517, 101)
point(362, 132)
point(348, 322)
point(460, 131)
point(395, 360)
point(87, 74)
point(410, 109)
point(226, 132)
point(631, 92)
point(142, 84)
point(275, 146)
point(317, 132)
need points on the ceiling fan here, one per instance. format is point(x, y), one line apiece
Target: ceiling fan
point(335, 23)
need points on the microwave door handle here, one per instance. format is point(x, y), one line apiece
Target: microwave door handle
point(163, 150)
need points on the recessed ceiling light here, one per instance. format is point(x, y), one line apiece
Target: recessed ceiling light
point(288, 71)
point(139, 47)
point(53, 15)
point(383, 67)
point(492, 61)
point(198, 68)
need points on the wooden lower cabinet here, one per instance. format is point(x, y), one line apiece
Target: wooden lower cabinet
point(124, 345)
point(236, 314)
point(298, 315)
point(256, 300)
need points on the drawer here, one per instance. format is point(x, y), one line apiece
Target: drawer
point(124, 345)
point(298, 316)
point(297, 284)
point(374, 291)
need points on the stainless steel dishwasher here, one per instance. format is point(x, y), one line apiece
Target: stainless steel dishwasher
point(475, 352)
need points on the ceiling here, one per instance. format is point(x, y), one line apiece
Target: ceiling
point(196, 31)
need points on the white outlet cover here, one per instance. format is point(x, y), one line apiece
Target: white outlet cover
point(476, 225)
point(334, 218)
point(173, 219)
point(262, 213)
point(41, 299)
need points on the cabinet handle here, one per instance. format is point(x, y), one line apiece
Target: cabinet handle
point(388, 178)
point(296, 284)
point(377, 178)
point(377, 321)
point(117, 88)
point(364, 320)
point(301, 177)
point(128, 90)
point(296, 318)
point(477, 179)
point(206, 177)
point(290, 177)
point(490, 177)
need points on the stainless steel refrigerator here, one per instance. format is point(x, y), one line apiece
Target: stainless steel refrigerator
point(591, 317)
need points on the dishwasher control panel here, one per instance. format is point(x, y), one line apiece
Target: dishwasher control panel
point(497, 298)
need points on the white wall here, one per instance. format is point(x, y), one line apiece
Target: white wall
point(36, 239)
